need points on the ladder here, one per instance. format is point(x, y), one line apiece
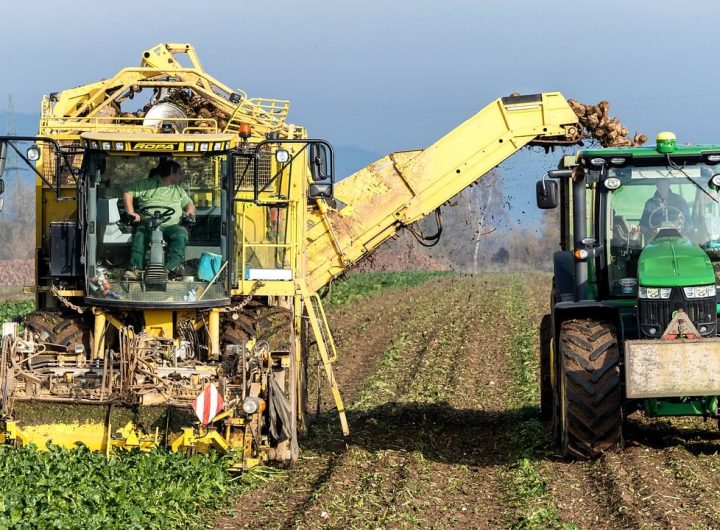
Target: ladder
point(326, 346)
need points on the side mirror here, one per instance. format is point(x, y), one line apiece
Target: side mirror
point(546, 193)
point(318, 162)
point(3, 157)
point(320, 191)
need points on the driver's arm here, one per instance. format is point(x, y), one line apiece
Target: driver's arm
point(129, 208)
point(187, 205)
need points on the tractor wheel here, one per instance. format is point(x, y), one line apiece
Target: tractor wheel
point(546, 391)
point(590, 396)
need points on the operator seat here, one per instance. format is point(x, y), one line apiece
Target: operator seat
point(108, 217)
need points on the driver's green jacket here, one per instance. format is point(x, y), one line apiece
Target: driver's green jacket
point(152, 192)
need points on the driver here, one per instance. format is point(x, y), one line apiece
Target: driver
point(664, 206)
point(161, 191)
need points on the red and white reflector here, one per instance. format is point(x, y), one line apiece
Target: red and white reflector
point(208, 404)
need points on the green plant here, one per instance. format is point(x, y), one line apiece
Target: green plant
point(12, 309)
point(362, 284)
point(75, 488)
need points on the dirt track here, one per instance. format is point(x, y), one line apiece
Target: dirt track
point(441, 385)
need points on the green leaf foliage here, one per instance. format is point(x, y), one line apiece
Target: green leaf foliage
point(12, 309)
point(76, 488)
point(359, 285)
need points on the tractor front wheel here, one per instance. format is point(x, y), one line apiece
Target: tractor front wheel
point(589, 392)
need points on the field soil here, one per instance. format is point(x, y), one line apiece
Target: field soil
point(440, 380)
point(16, 273)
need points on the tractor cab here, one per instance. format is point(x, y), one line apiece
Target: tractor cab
point(656, 218)
point(651, 240)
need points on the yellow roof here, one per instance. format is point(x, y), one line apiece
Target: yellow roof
point(158, 137)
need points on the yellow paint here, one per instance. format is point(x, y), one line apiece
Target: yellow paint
point(214, 332)
point(404, 187)
point(322, 346)
point(71, 292)
point(67, 435)
point(99, 334)
point(159, 323)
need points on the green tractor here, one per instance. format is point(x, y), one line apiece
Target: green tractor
point(633, 323)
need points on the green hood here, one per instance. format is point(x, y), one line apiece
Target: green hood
point(671, 261)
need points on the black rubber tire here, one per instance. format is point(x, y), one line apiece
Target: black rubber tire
point(546, 391)
point(589, 391)
point(62, 329)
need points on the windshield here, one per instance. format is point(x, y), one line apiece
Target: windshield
point(655, 198)
point(158, 236)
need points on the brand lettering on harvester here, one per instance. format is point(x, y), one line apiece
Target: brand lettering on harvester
point(154, 147)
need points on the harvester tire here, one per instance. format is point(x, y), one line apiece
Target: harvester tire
point(589, 391)
point(546, 391)
point(61, 329)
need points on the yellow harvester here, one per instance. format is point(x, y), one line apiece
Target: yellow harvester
point(214, 357)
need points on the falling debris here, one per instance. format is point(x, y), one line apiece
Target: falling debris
point(599, 125)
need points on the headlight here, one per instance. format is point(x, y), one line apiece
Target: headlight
point(282, 156)
point(33, 153)
point(655, 293)
point(700, 291)
point(612, 183)
point(251, 405)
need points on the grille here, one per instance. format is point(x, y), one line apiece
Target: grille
point(658, 313)
point(49, 161)
point(244, 168)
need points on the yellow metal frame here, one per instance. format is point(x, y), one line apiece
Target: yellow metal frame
point(80, 109)
point(404, 187)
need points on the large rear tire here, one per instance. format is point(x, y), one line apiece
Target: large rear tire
point(67, 330)
point(546, 391)
point(589, 391)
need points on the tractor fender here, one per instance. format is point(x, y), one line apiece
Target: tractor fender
point(588, 309)
point(563, 311)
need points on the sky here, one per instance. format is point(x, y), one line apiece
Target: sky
point(382, 76)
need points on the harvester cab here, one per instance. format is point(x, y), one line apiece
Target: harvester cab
point(634, 303)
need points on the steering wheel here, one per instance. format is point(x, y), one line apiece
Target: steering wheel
point(164, 213)
point(679, 219)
